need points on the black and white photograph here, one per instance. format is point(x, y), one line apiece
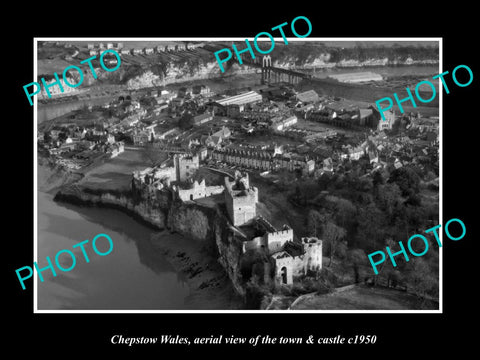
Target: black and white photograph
point(261, 182)
point(240, 179)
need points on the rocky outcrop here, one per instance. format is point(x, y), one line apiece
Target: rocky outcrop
point(177, 73)
point(229, 247)
point(146, 211)
point(192, 220)
point(210, 225)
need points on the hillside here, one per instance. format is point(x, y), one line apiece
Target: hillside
point(363, 298)
point(165, 68)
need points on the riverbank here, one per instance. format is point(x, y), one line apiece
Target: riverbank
point(209, 286)
point(242, 77)
point(51, 178)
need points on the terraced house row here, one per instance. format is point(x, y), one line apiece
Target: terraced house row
point(264, 160)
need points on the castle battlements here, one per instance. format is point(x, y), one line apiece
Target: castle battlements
point(197, 190)
point(154, 177)
point(240, 199)
point(186, 165)
point(292, 259)
point(282, 232)
point(270, 242)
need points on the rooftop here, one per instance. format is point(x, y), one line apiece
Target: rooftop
point(241, 99)
point(308, 96)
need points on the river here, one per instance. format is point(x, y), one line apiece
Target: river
point(51, 111)
point(134, 276)
point(401, 70)
point(54, 110)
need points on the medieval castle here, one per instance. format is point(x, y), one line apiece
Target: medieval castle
point(290, 258)
point(240, 199)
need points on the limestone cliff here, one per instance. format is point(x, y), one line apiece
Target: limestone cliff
point(229, 247)
point(190, 220)
point(202, 224)
point(210, 225)
point(177, 73)
point(152, 215)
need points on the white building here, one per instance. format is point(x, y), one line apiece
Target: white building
point(281, 124)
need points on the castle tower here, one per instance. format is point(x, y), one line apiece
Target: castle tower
point(240, 199)
point(185, 166)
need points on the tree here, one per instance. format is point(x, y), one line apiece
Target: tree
point(413, 200)
point(62, 136)
point(47, 137)
point(356, 258)
point(345, 212)
point(314, 222)
point(186, 121)
point(407, 180)
point(394, 277)
point(370, 223)
point(333, 235)
point(420, 277)
point(298, 194)
point(378, 178)
point(388, 197)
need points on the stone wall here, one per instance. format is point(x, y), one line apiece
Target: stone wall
point(185, 166)
point(256, 244)
point(277, 239)
point(198, 190)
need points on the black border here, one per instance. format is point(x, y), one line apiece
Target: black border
point(407, 334)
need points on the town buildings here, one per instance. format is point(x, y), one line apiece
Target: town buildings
point(264, 160)
point(307, 97)
point(279, 123)
point(226, 142)
point(202, 118)
point(234, 105)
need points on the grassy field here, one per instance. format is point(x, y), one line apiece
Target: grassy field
point(363, 298)
point(268, 139)
point(317, 126)
point(276, 208)
point(116, 173)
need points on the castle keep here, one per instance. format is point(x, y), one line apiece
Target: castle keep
point(290, 258)
point(185, 166)
point(240, 199)
point(283, 257)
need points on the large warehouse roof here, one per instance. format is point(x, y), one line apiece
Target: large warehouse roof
point(245, 98)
